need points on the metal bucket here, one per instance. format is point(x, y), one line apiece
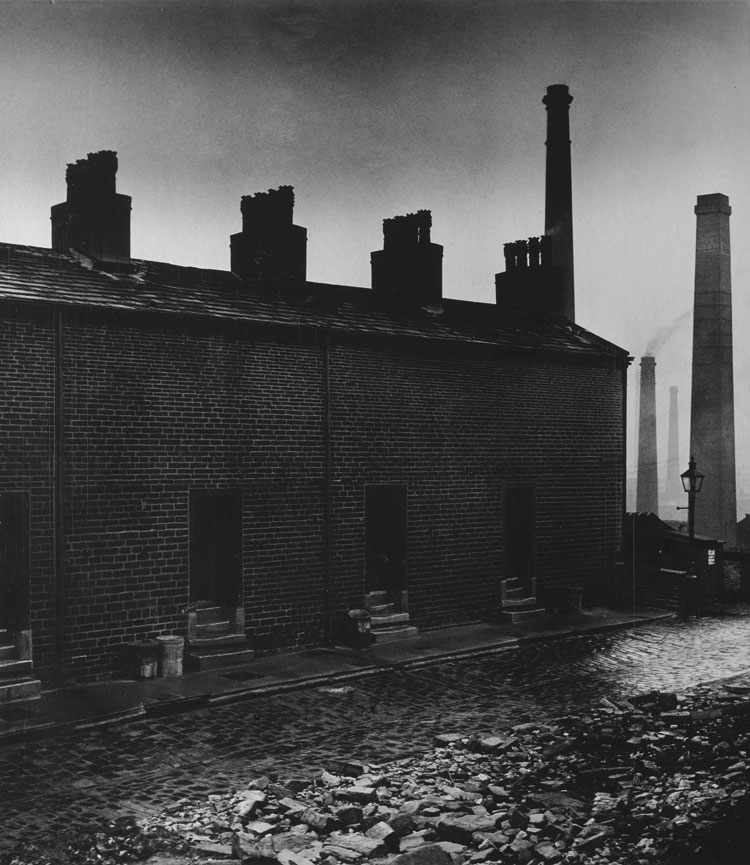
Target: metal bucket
point(171, 650)
point(142, 659)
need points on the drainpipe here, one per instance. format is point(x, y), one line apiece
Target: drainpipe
point(58, 519)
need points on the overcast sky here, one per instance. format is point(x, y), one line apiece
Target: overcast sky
point(375, 108)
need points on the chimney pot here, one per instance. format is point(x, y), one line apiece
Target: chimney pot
point(95, 218)
point(270, 249)
point(531, 281)
point(409, 265)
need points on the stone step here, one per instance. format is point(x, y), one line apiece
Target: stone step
point(524, 602)
point(397, 632)
point(388, 619)
point(206, 629)
point(7, 652)
point(216, 641)
point(381, 609)
point(214, 660)
point(23, 688)
point(208, 614)
point(516, 593)
point(376, 598)
point(14, 667)
point(520, 616)
point(511, 583)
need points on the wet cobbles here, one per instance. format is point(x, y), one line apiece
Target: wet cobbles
point(148, 765)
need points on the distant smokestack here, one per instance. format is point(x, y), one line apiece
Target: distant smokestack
point(675, 492)
point(647, 493)
point(558, 210)
point(712, 404)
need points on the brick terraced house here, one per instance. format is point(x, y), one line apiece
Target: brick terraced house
point(241, 457)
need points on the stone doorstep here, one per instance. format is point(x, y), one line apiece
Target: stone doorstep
point(8, 651)
point(516, 593)
point(524, 602)
point(24, 688)
point(516, 616)
point(13, 666)
point(207, 628)
point(382, 609)
point(511, 583)
point(375, 598)
point(216, 641)
point(396, 632)
point(214, 660)
point(388, 619)
point(205, 615)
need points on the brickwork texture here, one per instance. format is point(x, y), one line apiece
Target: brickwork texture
point(153, 408)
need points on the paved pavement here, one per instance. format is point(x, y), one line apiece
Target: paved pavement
point(80, 776)
point(120, 699)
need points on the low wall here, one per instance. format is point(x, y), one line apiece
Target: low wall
point(651, 587)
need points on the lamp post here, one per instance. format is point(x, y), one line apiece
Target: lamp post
point(692, 481)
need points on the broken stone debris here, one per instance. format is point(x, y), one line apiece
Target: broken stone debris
point(632, 781)
point(653, 779)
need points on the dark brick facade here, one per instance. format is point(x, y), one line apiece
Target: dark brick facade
point(141, 408)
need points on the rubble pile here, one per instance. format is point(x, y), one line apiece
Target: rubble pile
point(657, 778)
point(121, 840)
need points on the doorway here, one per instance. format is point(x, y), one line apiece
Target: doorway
point(14, 562)
point(385, 538)
point(520, 534)
point(216, 547)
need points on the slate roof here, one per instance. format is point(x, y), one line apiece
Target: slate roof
point(38, 275)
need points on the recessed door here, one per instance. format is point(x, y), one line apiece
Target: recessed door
point(520, 534)
point(216, 547)
point(385, 538)
point(14, 561)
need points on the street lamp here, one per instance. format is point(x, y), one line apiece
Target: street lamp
point(692, 481)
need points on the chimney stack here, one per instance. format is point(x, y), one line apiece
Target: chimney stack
point(558, 209)
point(531, 281)
point(647, 492)
point(270, 249)
point(712, 402)
point(673, 486)
point(95, 218)
point(409, 266)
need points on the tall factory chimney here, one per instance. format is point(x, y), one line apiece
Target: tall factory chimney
point(673, 486)
point(647, 491)
point(712, 403)
point(558, 206)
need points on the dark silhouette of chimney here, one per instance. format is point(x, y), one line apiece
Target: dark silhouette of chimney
point(95, 218)
point(712, 402)
point(409, 266)
point(530, 281)
point(270, 249)
point(647, 491)
point(558, 207)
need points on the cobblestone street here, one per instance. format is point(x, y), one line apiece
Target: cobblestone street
point(151, 764)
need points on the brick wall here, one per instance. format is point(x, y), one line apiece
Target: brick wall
point(155, 413)
point(155, 409)
point(26, 446)
point(456, 430)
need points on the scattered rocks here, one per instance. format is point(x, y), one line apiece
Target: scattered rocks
point(659, 778)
